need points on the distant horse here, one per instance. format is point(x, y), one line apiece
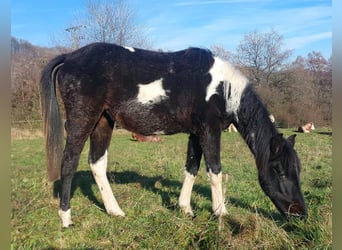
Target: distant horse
point(307, 128)
point(272, 119)
point(231, 128)
point(145, 138)
point(147, 92)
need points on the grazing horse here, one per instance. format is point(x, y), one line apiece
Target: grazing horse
point(145, 138)
point(307, 128)
point(146, 92)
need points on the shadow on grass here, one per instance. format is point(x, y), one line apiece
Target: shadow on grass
point(84, 180)
point(325, 133)
point(329, 133)
point(274, 215)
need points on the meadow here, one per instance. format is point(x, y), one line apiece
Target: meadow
point(146, 179)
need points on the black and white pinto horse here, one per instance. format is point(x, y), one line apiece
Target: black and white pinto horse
point(146, 92)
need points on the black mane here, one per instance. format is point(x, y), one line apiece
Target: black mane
point(255, 127)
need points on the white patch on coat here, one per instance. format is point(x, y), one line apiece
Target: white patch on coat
point(233, 81)
point(99, 169)
point(217, 196)
point(65, 217)
point(152, 92)
point(129, 48)
point(185, 195)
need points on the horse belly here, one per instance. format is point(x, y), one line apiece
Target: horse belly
point(149, 119)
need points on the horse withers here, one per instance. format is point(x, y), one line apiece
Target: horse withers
point(147, 92)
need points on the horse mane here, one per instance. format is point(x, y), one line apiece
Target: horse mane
point(255, 127)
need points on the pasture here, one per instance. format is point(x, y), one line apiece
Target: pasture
point(146, 179)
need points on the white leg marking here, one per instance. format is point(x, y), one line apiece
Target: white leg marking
point(152, 92)
point(217, 196)
point(185, 195)
point(99, 171)
point(66, 217)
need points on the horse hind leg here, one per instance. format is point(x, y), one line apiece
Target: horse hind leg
point(77, 133)
point(99, 142)
point(71, 156)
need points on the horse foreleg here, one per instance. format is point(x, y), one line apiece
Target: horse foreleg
point(210, 142)
point(185, 195)
point(217, 194)
point(99, 169)
point(194, 155)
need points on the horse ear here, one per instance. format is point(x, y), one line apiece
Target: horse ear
point(292, 140)
point(277, 143)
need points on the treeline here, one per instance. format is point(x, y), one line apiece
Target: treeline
point(27, 62)
point(298, 92)
point(295, 92)
point(301, 92)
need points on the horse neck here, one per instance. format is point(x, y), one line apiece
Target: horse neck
point(255, 127)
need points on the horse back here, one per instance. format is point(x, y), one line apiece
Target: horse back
point(145, 91)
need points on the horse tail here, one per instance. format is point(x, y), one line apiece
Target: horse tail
point(52, 120)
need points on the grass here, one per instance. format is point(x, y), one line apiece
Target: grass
point(146, 179)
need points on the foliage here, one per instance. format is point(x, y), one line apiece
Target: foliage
point(295, 93)
point(146, 179)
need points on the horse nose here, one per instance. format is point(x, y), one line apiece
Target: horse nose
point(297, 209)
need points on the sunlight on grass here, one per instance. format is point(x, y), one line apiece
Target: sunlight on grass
point(146, 179)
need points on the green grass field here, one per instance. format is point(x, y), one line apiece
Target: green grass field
point(146, 179)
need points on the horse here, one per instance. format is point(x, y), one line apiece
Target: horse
point(148, 92)
point(272, 119)
point(231, 128)
point(307, 128)
point(145, 138)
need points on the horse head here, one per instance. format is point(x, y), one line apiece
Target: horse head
point(280, 179)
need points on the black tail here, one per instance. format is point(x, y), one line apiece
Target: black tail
point(53, 127)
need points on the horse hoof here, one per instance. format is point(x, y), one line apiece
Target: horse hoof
point(117, 213)
point(68, 226)
point(65, 217)
point(187, 211)
point(221, 212)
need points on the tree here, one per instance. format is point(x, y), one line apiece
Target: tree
point(262, 55)
point(110, 21)
point(321, 70)
point(307, 95)
point(27, 61)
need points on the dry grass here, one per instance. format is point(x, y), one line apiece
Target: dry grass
point(21, 134)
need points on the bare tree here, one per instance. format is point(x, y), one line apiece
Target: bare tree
point(306, 95)
point(321, 71)
point(26, 63)
point(262, 55)
point(112, 21)
point(75, 35)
